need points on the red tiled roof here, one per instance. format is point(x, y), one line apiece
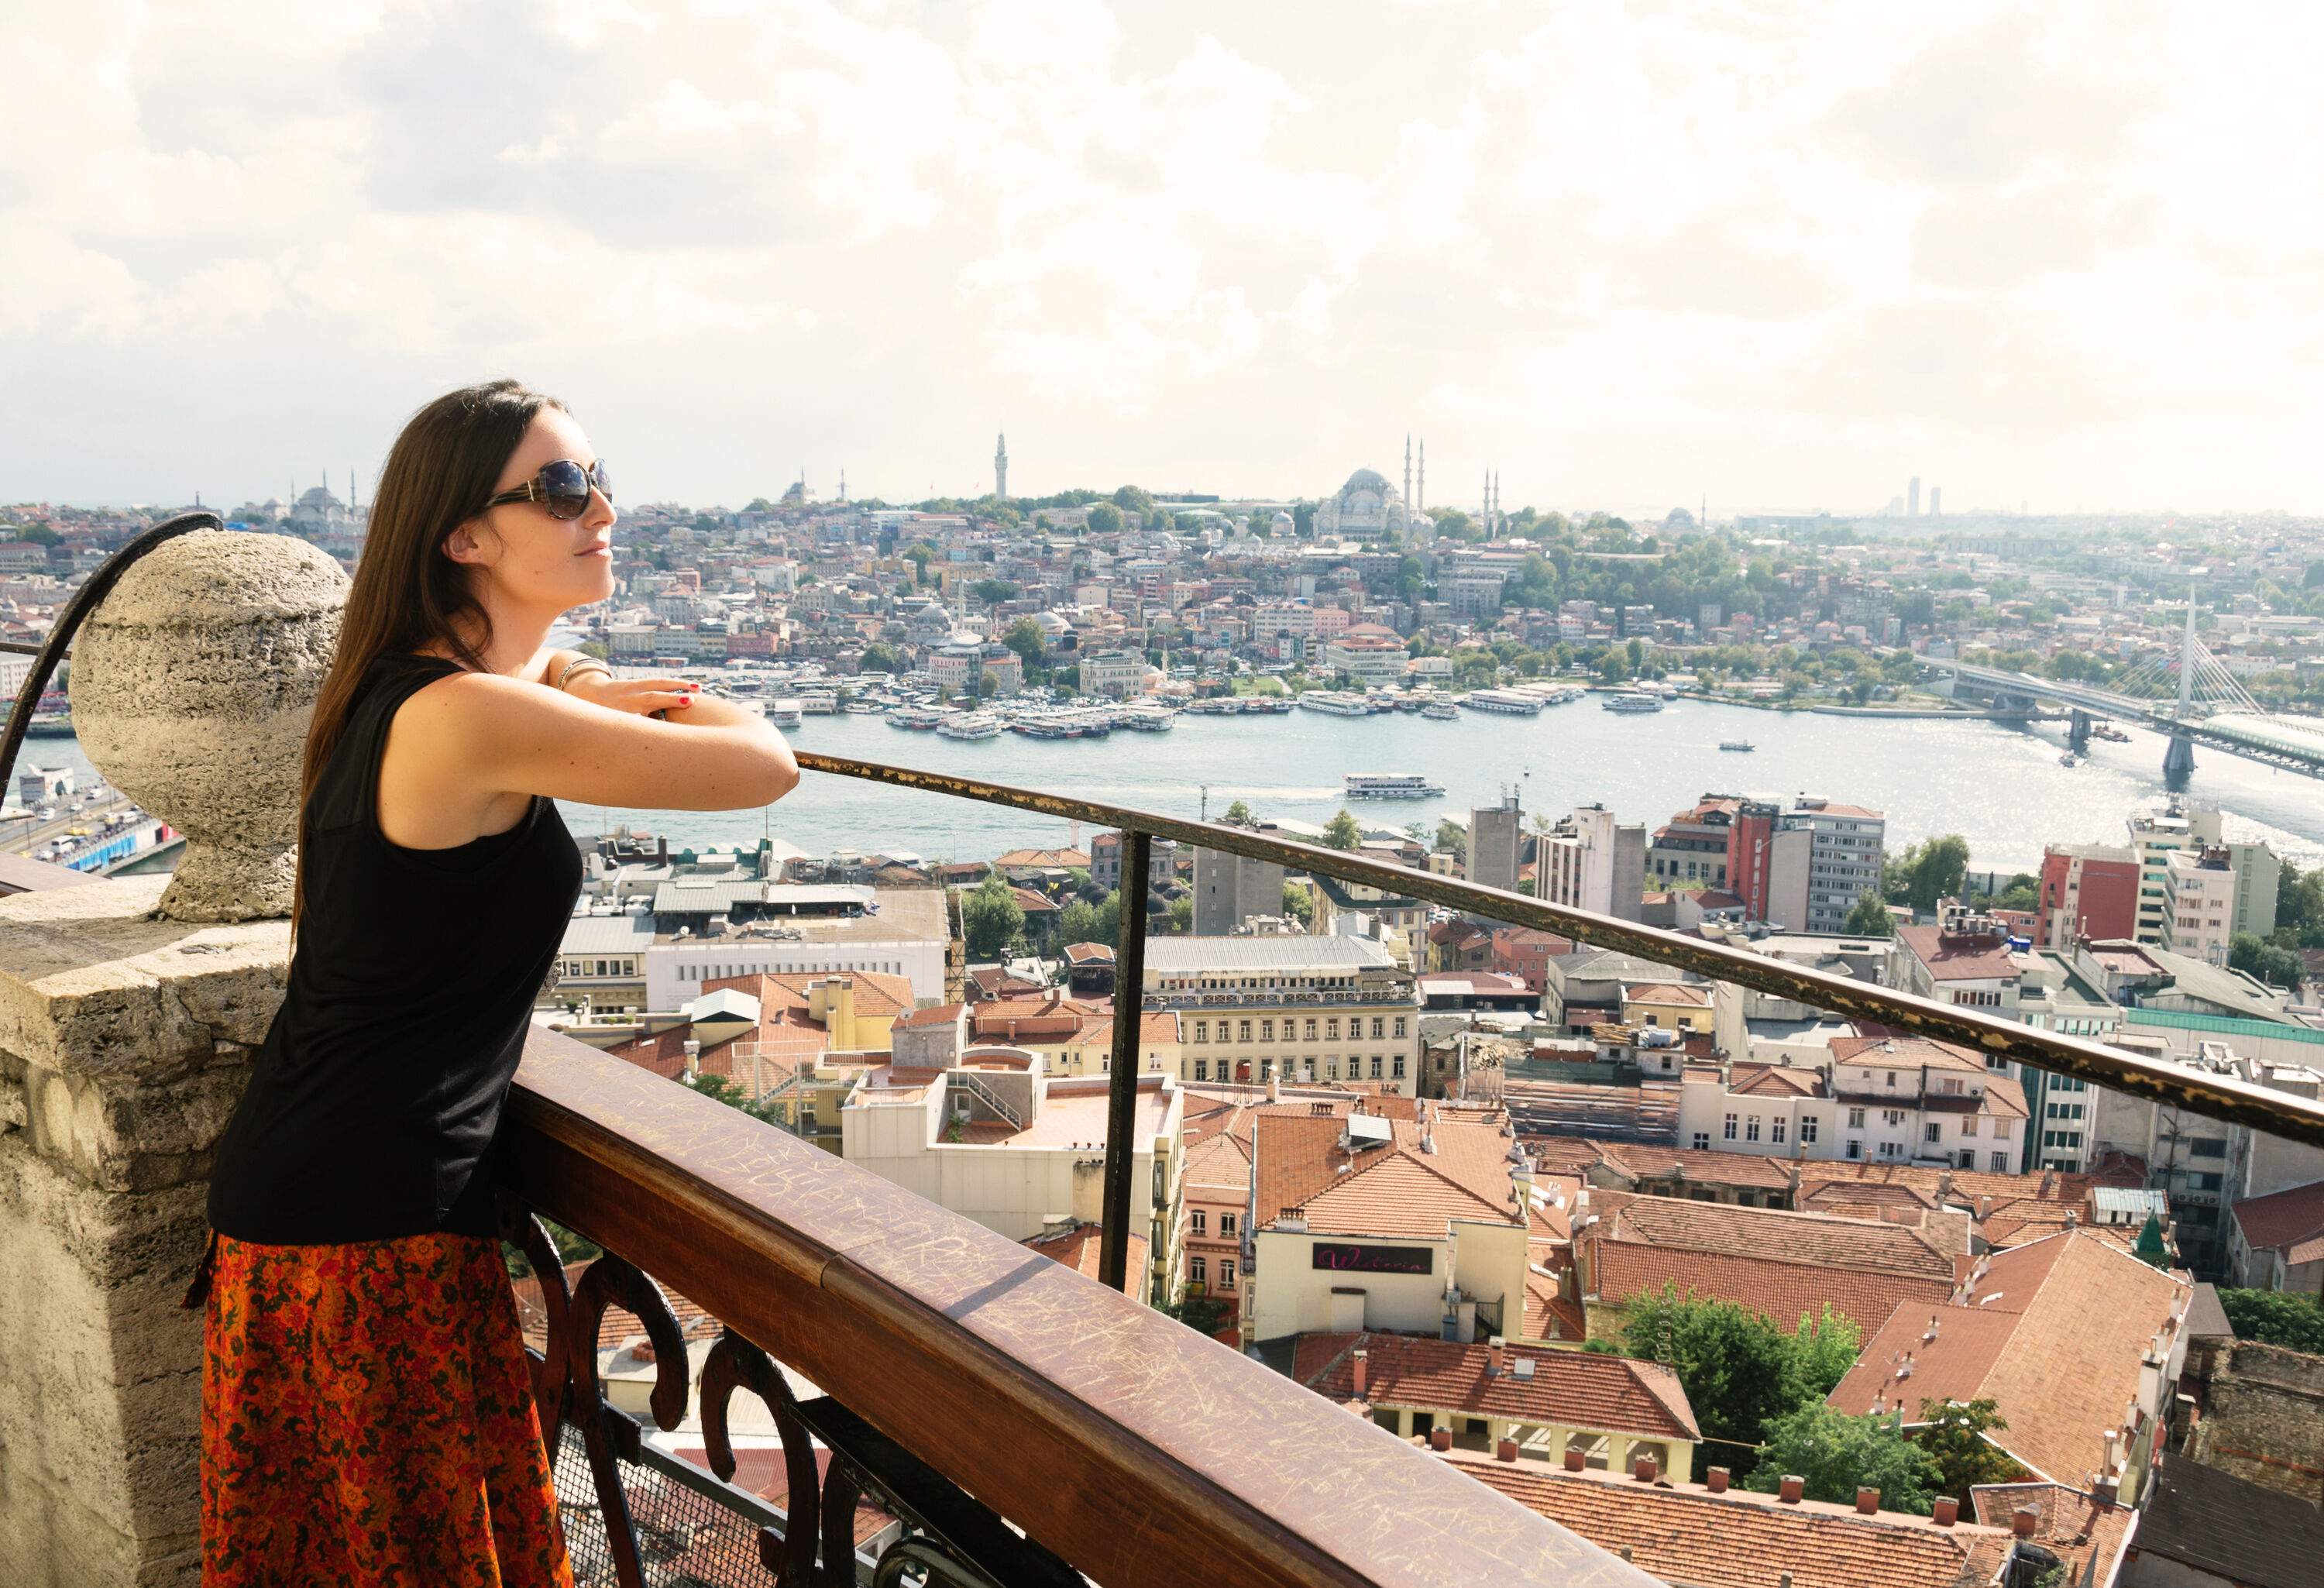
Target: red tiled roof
point(1785, 1292)
point(1667, 993)
point(1950, 959)
point(2068, 1524)
point(1771, 1232)
point(1737, 1539)
point(2282, 1219)
point(1578, 1388)
point(1908, 1053)
point(2053, 1331)
point(1636, 1161)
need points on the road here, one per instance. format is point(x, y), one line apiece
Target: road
point(19, 836)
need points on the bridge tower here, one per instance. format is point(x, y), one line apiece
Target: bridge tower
point(2179, 760)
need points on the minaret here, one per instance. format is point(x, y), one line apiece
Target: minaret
point(843, 483)
point(1407, 471)
point(1485, 512)
point(352, 500)
point(1000, 468)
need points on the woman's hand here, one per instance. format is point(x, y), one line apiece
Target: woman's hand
point(637, 695)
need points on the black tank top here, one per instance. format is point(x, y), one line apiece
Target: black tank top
point(374, 1101)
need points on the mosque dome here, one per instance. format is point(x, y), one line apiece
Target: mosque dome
point(1364, 479)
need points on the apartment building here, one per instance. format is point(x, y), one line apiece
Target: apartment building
point(1308, 1009)
point(2086, 891)
point(1875, 1099)
point(995, 1138)
point(1591, 862)
point(1845, 850)
point(2154, 834)
point(2199, 901)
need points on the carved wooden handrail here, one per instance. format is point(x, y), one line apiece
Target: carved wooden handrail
point(1133, 1447)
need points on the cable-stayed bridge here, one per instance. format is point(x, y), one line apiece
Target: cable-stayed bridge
point(2186, 694)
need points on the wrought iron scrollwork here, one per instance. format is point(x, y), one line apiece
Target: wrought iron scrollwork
point(948, 1539)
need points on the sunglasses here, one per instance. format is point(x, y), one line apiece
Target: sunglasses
point(562, 487)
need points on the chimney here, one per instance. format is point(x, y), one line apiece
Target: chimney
point(693, 1057)
point(1868, 1501)
point(1715, 1480)
point(641, 1351)
point(1947, 1511)
point(1575, 1460)
point(1493, 1353)
point(1644, 1468)
point(2106, 1488)
point(1440, 1438)
point(1507, 1450)
point(2022, 1524)
point(1794, 1487)
point(1363, 1362)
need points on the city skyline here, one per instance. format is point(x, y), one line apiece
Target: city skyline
point(1789, 259)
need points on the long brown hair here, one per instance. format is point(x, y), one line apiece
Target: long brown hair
point(406, 593)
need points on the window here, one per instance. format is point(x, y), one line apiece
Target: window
point(1195, 1221)
point(1855, 1119)
point(1398, 1066)
point(2000, 1161)
point(1331, 1028)
point(1379, 1027)
point(1377, 1062)
point(2207, 1148)
point(1856, 1150)
point(1969, 1125)
point(1399, 1025)
point(1311, 1028)
point(1652, 1020)
point(1729, 1132)
point(1331, 1068)
point(1892, 1080)
point(1226, 1273)
point(1776, 1129)
point(1888, 1150)
point(1202, 1069)
point(1267, 1030)
point(1242, 1031)
point(1891, 1117)
point(2001, 1130)
point(1226, 1223)
point(1198, 1269)
point(1807, 1130)
point(1702, 1141)
point(1932, 1132)
point(1751, 1128)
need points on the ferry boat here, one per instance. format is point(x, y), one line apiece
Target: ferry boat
point(1147, 719)
point(1267, 704)
point(784, 713)
point(1633, 704)
point(1441, 711)
point(1335, 704)
point(819, 702)
point(1735, 744)
point(1391, 786)
point(975, 725)
point(917, 719)
point(1509, 702)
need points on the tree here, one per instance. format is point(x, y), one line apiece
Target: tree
point(1837, 1455)
point(1182, 914)
point(2277, 1317)
point(992, 591)
point(1026, 639)
point(1739, 1369)
point(1077, 923)
point(1133, 499)
point(1238, 816)
point(2271, 963)
point(990, 916)
point(1868, 917)
point(1298, 904)
point(1104, 519)
point(1927, 871)
point(879, 658)
point(1454, 839)
point(1952, 1437)
point(1343, 832)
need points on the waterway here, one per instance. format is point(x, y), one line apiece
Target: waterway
point(2000, 786)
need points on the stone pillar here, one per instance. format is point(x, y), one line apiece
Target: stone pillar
point(128, 1008)
point(1558, 1437)
point(1617, 1454)
point(124, 1042)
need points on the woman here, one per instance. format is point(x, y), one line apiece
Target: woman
point(366, 1417)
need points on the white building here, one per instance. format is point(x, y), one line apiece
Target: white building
point(1881, 1100)
point(2198, 902)
point(1113, 672)
point(1254, 1009)
point(1591, 862)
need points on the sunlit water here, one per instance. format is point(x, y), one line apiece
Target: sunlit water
point(1999, 787)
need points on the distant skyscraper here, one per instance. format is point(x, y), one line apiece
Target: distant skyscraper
point(1936, 501)
point(1000, 468)
point(1912, 498)
point(1493, 831)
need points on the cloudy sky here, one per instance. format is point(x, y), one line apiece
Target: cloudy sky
point(1780, 252)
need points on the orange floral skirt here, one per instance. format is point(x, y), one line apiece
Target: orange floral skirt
point(367, 1418)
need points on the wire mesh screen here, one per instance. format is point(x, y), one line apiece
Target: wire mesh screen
point(686, 1538)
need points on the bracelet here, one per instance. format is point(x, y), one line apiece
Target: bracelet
point(590, 662)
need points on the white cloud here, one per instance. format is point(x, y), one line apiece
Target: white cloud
point(1786, 251)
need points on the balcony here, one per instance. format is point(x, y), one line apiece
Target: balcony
point(1021, 1424)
